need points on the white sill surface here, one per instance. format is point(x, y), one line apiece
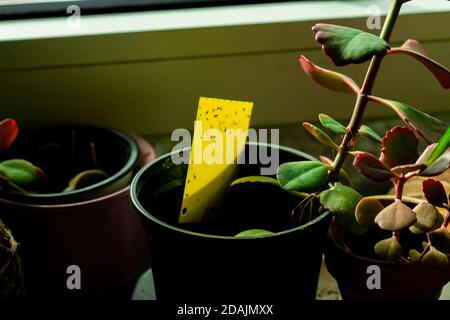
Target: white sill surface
point(179, 19)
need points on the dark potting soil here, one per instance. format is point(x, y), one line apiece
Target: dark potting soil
point(250, 206)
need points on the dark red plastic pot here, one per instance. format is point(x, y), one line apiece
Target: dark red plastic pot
point(399, 281)
point(102, 235)
point(200, 265)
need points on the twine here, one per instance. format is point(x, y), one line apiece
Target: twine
point(12, 282)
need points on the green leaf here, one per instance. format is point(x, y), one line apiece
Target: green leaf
point(369, 133)
point(395, 216)
point(440, 239)
point(400, 147)
point(19, 172)
point(85, 179)
point(260, 181)
point(441, 147)
point(438, 166)
point(435, 259)
point(371, 167)
point(342, 201)
point(389, 249)
point(414, 255)
point(414, 49)
point(366, 211)
point(331, 124)
point(320, 135)
point(426, 215)
point(327, 78)
point(347, 45)
point(305, 176)
point(428, 127)
point(253, 233)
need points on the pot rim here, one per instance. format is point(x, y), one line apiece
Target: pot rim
point(70, 198)
point(65, 205)
point(146, 214)
point(332, 238)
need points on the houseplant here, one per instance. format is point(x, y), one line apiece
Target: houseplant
point(206, 260)
point(79, 214)
point(406, 238)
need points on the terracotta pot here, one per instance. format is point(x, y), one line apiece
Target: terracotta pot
point(399, 281)
point(102, 235)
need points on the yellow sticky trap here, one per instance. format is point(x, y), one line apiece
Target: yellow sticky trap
point(220, 133)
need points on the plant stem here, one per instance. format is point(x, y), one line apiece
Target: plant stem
point(399, 188)
point(366, 89)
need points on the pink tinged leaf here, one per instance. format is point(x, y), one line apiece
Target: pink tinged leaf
point(395, 216)
point(329, 79)
point(326, 160)
point(8, 133)
point(435, 192)
point(408, 168)
point(427, 127)
point(345, 45)
point(415, 50)
point(371, 167)
point(399, 147)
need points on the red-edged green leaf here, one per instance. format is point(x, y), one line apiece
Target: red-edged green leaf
point(331, 124)
point(320, 135)
point(305, 176)
point(389, 249)
point(371, 167)
point(342, 201)
point(395, 216)
point(19, 172)
point(428, 127)
point(8, 133)
point(435, 192)
point(400, 147)
point(366, 211)
point(85, 179)
point(369, 133)
point(413, 49)
point(347, 45)
point(329, 79)
point(442, 146)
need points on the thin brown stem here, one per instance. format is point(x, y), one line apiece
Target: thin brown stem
point(366, 89)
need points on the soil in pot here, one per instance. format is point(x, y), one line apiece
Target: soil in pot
point(64, 152)
point(206, 261)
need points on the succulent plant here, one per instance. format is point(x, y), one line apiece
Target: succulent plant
point(399, 160)
point(419, 148)
point(20, 175)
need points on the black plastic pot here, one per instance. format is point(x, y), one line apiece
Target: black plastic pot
point(95, 228)
point(193, 262)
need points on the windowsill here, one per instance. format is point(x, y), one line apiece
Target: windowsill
point(144, 71)
point(212, 17)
